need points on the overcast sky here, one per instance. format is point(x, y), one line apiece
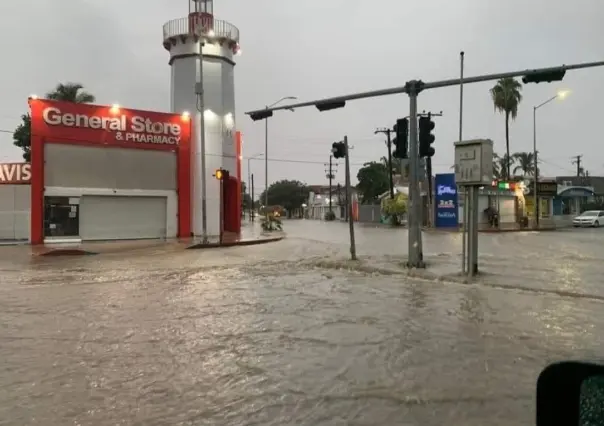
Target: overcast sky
point(319, 48)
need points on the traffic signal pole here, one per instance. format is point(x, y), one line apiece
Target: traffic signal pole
point(390, 179)
point(415, 246)
point(353, 248)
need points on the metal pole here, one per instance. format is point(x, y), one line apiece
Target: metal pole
point(266, 166)
point(430, 191)
point(330, 181)
point(391, 181)
point(221, 211)
point(202, 130)
point(469, 213)
point(464, 223)
point(535, 172)
point(498, 210)
point(253, 202)
point(353, 249)
point(249, 182)
point(415, 235)
point(475, 213)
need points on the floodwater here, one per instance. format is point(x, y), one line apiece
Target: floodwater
point(291, 333)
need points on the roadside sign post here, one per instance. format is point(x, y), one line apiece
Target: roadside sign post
point(473, 169)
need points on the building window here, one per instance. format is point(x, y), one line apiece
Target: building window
point(569, 206)
point(61, 217)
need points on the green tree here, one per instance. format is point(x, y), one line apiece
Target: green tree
point(525, 163)
point(500, 166)
point(373, 181)
point(289, 194)
point(506, 98)
point(395, 208)
point(68, 92)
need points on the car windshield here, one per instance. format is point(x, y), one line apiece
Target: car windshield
point(591, 213)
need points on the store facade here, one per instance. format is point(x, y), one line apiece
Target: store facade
point(108, 173)
point(15, 200)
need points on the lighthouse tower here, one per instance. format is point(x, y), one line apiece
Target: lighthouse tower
point(219, 41)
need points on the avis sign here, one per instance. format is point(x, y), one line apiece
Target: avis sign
point(15, 173)
point(124, 127)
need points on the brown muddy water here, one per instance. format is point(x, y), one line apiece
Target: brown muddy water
point(290, 333)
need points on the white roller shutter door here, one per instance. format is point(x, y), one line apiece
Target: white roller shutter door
point(122, 218)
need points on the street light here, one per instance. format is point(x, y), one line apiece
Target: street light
point(266, 147)
point(561, 95)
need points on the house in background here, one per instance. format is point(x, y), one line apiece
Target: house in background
point(575, 192)
point(318, 202)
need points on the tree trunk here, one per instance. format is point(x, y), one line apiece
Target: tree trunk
point(507, 144)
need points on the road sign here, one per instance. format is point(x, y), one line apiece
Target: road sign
point(474, 162)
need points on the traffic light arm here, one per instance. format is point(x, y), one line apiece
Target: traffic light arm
point(429, 85)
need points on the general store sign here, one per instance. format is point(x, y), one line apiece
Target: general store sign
point(63, 122)
point(133, 128)
point(15, 173)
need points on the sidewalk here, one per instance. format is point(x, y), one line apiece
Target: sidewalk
point(250, 235)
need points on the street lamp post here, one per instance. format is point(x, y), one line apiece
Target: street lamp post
point(266, 149)
point(249, 177)
point(560, 95)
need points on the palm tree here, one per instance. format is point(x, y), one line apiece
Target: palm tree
point(506, 98)
point(526, 163)
point(71, 92)
point(501, 165)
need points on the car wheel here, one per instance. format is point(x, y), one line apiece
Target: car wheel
point(596, 224)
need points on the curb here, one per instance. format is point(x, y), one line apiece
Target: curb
point(490, 231)
point(235, 243)
point(67, 252)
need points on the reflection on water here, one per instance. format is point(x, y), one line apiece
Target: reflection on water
point(293, 334)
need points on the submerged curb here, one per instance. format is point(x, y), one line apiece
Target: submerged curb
point(67, 252)
point(254, 242)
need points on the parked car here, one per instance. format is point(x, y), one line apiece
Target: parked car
point(590, 218)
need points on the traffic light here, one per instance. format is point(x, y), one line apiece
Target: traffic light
point(401, 128)
point(221, 174)
point(426, 138)
point(338, 149)
point(556, 74)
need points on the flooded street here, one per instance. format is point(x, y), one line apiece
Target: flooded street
point(291, 333)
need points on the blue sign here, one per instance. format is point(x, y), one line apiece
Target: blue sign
point(445, 201)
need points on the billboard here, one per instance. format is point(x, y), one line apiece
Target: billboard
point(445, 201)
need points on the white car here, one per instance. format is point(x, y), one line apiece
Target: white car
point(591, 218)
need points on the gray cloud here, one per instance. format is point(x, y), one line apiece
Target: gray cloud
point(321, 48)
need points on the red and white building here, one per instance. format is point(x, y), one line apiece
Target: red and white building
point(105, 173)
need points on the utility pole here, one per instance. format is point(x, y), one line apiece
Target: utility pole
point(340, 203)
point(330, 174)
point(341, 150)
point(577, 161)
point(387, 132)
point(464, 230)
point(252, 213)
